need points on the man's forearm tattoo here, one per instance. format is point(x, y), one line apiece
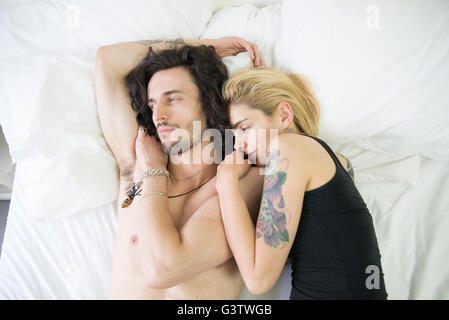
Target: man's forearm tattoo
point(272, 220)
point(171, 44)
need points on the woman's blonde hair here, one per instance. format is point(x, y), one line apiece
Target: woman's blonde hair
point(264, 88)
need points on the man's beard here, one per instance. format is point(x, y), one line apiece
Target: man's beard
point(180, 147)
point(187, 139)
point(176, 148)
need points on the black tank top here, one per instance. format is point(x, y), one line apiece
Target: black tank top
point(335, 254)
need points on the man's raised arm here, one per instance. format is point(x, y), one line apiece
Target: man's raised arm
point(117, 118)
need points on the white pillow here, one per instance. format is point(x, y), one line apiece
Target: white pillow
point(81, 26)
point(218, 4)
point(380, 69)
point(47, 97)
point(258, 25)
point(51, 124)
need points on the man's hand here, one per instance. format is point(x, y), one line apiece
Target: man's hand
point(149, 151)
point(231, 46)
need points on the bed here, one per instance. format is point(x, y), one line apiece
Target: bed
point(380, 71)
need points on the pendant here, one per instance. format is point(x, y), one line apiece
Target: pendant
point(127, 202)
point(131, 193)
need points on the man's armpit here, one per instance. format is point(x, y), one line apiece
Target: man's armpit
point(126, 172)
point(126, 167)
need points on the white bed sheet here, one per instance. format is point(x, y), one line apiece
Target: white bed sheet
point(71, 258)
point(68, 258)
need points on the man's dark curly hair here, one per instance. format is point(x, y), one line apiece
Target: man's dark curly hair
point(207, 71)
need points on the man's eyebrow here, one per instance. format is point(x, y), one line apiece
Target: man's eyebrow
point(235, 125)
point(167, 93)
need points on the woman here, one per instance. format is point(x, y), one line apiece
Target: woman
point(310, 210)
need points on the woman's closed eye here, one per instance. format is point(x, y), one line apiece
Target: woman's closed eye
point(240, 129)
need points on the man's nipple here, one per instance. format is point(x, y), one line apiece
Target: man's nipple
point(134, 239)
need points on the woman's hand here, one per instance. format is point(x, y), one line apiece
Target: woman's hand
point(231, 170)
point(231, 46)
point(149, 151)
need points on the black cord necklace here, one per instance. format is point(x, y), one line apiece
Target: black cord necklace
point(196, 188)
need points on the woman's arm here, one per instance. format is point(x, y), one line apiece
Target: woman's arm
point(262, 250)
point(346, 164)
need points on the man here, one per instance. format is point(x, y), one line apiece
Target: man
point(170, 241)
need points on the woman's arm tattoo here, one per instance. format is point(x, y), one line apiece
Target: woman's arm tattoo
point(349, 167)
point(272, 220)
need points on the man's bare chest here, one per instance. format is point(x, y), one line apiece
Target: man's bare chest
point(182, 207)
